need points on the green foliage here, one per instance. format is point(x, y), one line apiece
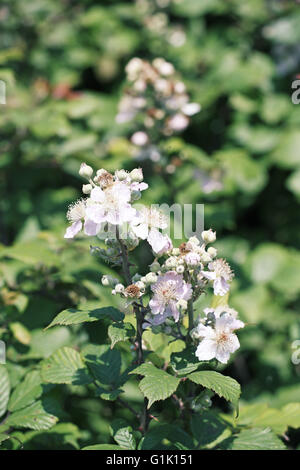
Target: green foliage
point(238, 60)
point(156, 384)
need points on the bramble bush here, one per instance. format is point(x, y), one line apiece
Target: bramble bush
point(182, 102)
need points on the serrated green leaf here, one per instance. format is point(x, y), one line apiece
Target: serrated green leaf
point(120, 332)
point(71, 316)
point(157, 384)
point(26, 392)
point(104, 364)
point(39, 415)
point(221, 384)
point(122, 434)
point(184, 362)
point(253, 439)
point(4, 389)
point(207, 427)
point(65, 366)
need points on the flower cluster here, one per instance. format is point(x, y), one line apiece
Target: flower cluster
point(158, 101)
point(177, 276)
point(155, 17)
point(108, 209)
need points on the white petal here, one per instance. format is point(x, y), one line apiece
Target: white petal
point(97, 195)
point(206, 350)
point(90, 228)
point(73, 229)
point(210, 275)
point(141, 231)
point(221, 287)
point(96, 213)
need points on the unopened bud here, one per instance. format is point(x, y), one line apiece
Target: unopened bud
point(87, 188)
point(85, 171)
point(136, 175)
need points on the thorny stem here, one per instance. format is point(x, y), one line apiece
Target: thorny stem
point(139, 313)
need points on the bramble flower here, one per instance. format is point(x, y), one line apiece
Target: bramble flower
point(146, 226)
point(111, 205)
point(220, 273)
point(168, 290)
point(218, 341)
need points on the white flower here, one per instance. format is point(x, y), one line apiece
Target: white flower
point(111, 205)
point(139, 138)
point(189, 109)
point(220, 273)
point(178, 122)
point(146, 226)
point(218, 342)
point(168, 290)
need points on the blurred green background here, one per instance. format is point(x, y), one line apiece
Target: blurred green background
point(63, 65)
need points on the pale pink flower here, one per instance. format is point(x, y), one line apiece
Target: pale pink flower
point(220, 274)
point(178, 122)
point(168, 290)
point(146, 226)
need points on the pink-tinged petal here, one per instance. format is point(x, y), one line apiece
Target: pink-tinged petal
point(127, 213)
point(159, 243)
point(221, 287)
point(73, 229)
point(90, 228)
point(173, 310)
point(206, 350)
point(97, 195)
point(222, 355)
point(156, 307)
point(96, 213)
point(141, 231)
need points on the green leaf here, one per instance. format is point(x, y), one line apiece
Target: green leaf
point(120, 332)
point(3, 437)
point(166, 436)
point(157, 384)
point(72, 316)
point(104, 363)
point(65, 366)
point(221, 384)
point(253, 439)
point(260, 415)
point(207, 427)
point(103, 447)
point(39, 415)
point(4, 389)
point(184, 362)
point(26, 392)
point(122, 434)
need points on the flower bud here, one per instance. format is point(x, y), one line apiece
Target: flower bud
point(171, 262)
point(208, 236)
point(121, 175)
point(87, 188)
point(136, 175)
point(212, 251)
point(154, 267)
point(108, 280)
point(175, 252)
point(136, 277)
point(150, 278)
point(135, 195)
point(85, 171)
point(140, 285)
point(119, 288)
